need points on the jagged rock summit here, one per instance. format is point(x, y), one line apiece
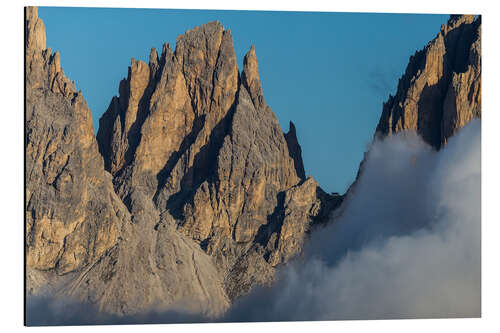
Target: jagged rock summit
point(193, 140)
point(190, 195)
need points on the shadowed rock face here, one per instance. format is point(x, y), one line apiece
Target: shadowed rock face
point(190, 195)
point(295, 151)
point(440, 91)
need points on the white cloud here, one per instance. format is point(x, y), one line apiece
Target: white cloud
point(407, 244)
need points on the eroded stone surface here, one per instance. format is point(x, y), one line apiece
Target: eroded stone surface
point(72, 213)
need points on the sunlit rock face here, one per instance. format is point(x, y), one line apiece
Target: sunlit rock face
point(440, 91)
point(73, 215)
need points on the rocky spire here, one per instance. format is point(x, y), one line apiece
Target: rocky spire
point(126, 113)
point(295, 150)
point(250, 79)
point(35, 30)
point(153, 58)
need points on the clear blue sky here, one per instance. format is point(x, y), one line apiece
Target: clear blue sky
point(327, 72)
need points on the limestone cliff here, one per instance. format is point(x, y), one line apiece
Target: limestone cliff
point(72, 213)
point(440, 91)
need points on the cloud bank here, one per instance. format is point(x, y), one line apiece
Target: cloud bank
point(405, 244)
point(45, 310)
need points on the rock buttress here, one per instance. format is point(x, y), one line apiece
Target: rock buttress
point(440, 91)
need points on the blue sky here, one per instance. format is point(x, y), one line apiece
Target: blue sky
point(327, 72)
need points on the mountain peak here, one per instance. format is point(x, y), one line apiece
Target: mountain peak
point(251, 80)
point(456, 20)
point(210, 33)
point(35, 30)
point(201, 149)
point(153, 58)
point(295, 150)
